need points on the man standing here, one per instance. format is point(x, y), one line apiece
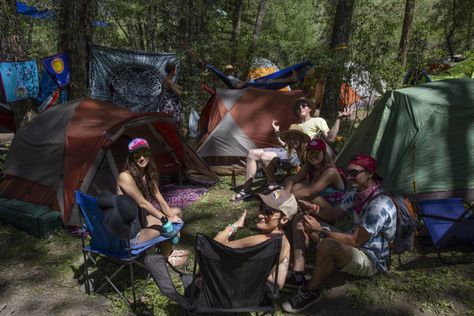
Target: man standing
point(364, 250)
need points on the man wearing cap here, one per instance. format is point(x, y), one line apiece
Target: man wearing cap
point(364, 250)
point(275, 210)
point(316, 126)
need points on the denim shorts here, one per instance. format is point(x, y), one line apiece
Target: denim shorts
point(134, 241)
point(282, 153)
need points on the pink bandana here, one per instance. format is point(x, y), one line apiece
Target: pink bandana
point(364, 196)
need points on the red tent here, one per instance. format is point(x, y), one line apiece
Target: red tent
point(82, 145)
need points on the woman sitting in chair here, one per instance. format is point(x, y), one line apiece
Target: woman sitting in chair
point(139, 180)
point(276, 209)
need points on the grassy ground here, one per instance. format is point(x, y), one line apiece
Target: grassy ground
point(43, 276)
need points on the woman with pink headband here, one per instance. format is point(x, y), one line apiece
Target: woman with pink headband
point(319, 180)
point(320, 183)
point(139, 180)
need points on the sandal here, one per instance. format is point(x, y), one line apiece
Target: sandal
point(271, 187)
point(177, 261)
point(241, 195)
point(180, 253)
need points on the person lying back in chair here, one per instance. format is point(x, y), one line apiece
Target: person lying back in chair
point(276, 209)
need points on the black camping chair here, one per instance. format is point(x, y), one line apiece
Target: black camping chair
point(104, 245)
point(224, 280)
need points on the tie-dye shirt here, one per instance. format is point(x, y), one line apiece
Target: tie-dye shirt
point(379, 218)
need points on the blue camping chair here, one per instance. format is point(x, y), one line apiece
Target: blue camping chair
point(106, 246)
point(448, 222)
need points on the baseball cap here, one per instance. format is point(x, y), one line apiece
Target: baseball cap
point(137, 143)
point(281, 200)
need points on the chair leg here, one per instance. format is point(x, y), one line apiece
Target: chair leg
point(132, 279)
point(86, 274)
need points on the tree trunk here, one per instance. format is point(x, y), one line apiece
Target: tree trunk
point(75, 36)
point(256, 34)
point(470, 26)
point(406, 30)
point(236, 31)
point(341, 32)
point(452, 29)
point(11, 48)
point(10, 36)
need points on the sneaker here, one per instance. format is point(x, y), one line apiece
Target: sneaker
point(295, 279)
point(301, 301)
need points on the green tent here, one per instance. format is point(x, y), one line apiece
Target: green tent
point(464, 69)
point(422, 134)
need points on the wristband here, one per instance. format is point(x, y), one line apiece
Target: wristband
point(231, 230)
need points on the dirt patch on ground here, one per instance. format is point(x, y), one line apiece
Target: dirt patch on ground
point(37, 277)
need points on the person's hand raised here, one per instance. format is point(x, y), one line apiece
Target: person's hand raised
point(344, 114)
point(276, 125)
point(240, 223)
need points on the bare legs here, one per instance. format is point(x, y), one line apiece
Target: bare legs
point(331, 254)
point(154, 230)
point(300, 243)
point(253, 157)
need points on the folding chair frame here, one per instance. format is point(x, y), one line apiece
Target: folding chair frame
point(467, 215)
point(163, 279)
point(130, 262)
point(132, 257)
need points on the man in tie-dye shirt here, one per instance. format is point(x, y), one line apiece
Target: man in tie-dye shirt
point(364, 250)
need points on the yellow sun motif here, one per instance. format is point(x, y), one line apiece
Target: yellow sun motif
point(58, 65)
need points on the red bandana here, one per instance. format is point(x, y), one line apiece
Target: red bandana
point(364, 196)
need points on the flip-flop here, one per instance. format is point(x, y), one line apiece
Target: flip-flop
point(180, 253)
point(177, 261)
point(241, 195)
point(271, 187)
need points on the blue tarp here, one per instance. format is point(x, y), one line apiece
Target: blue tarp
point(274, 81)
point(33, 12)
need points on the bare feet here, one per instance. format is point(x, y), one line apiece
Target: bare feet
point(241, 221)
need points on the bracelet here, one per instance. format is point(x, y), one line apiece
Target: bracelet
point(231, 229)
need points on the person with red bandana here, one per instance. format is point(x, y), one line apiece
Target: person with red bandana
point(364, 250)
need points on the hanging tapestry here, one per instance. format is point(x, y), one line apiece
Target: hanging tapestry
point(50, 94)
point(58, 67)
point(18, 80)
point(131, 79)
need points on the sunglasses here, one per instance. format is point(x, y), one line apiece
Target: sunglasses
point(141, 153)
point(303, 105)
point(313, 153)
point(354, 172)
point(266, 210)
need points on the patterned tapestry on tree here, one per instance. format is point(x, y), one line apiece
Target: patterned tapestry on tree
point(132, 79)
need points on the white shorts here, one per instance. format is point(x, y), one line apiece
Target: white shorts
point(360, 264)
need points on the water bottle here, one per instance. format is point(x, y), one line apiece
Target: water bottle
point(168, 230)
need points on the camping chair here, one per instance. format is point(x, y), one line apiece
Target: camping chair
point(224, 280)
point(448, 222)
point(106, 246)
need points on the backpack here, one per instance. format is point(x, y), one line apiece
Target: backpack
point(407, 223)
